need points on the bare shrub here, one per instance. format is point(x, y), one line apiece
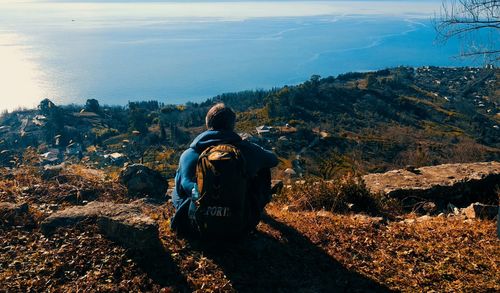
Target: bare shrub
point(345, 194)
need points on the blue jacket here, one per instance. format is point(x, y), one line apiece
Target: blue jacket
point(256, 159)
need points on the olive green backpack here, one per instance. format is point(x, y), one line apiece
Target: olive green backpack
point(218, 209)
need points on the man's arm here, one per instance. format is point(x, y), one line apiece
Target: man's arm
point(269, 159)
point(258, 158)
point(185, 177)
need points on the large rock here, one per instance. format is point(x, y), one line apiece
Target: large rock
point(50, 172)
point(142, 181)
point(480, 211)
point(127, 224)
point(15, 214)
point(276, 186)
point(460, 184)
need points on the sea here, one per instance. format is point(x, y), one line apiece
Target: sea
point(175, 52)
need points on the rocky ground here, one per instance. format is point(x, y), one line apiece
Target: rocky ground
point(78, 230)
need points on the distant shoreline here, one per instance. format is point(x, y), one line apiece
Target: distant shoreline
point(205, 98)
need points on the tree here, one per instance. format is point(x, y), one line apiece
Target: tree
point(46, 106)
point(475, 22)
point(92, 105)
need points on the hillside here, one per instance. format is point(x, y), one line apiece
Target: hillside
point(324, 127)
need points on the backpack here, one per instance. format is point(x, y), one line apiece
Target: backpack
point(218, 208)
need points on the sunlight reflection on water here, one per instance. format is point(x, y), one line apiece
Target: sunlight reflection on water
point(19, 75)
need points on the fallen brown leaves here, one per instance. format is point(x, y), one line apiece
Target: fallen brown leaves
point(70, 261)
point(441, 254)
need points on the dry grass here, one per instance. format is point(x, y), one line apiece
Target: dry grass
point(74, 185)
point(440, 254)
point(345, 194)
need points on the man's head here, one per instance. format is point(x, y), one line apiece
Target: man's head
point(220, 117)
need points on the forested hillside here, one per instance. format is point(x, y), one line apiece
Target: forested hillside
point(361, 122)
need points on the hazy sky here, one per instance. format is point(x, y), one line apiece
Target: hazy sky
point(227, 9)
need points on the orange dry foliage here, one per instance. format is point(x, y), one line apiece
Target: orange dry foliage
point(438, 254)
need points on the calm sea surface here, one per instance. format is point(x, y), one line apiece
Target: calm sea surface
point(179, 52)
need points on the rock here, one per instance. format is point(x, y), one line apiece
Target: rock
point(50, 172)
point(276, 186)
point(8, 207)
point(137, 232)
point(453, 209)
point(460, 184)
point(290, 208)
point(407, 221)
point(127, 224)
point(13, 214)
point(480, 211)
point(142, 181)
point(429, 207)
point(368, 219)
point(413, 169)
point(423, 218)
point(498, 223)
point(323, 214)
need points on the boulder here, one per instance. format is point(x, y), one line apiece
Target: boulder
point(15, 214)
point(50, 172)
point(142, 181)
point(127, 224)
point(365, 219)
point(480, 211)
point(429, 207)
point(276, 186)
point(460, 184)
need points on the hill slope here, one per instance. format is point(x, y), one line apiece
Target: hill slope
point(364, 122)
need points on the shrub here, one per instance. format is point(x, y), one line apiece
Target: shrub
point(345, 194)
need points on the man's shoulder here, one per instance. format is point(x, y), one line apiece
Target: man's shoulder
point(188, 155)
point(252, 148)
point(246, 145)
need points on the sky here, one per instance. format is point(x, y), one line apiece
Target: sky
point(227, 9)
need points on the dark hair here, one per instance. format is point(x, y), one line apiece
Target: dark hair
point(220, 117)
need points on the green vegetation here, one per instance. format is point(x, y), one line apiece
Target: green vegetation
point(355, 122)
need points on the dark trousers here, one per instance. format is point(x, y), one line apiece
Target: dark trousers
point(259, 195)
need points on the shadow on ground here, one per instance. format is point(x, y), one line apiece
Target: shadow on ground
point(283, 260)
point(161, 268)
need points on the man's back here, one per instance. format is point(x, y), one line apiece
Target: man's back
point(256, 159)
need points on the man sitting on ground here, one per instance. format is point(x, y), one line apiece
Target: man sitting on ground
point(223, 182)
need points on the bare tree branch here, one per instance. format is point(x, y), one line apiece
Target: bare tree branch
point(471, 21)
